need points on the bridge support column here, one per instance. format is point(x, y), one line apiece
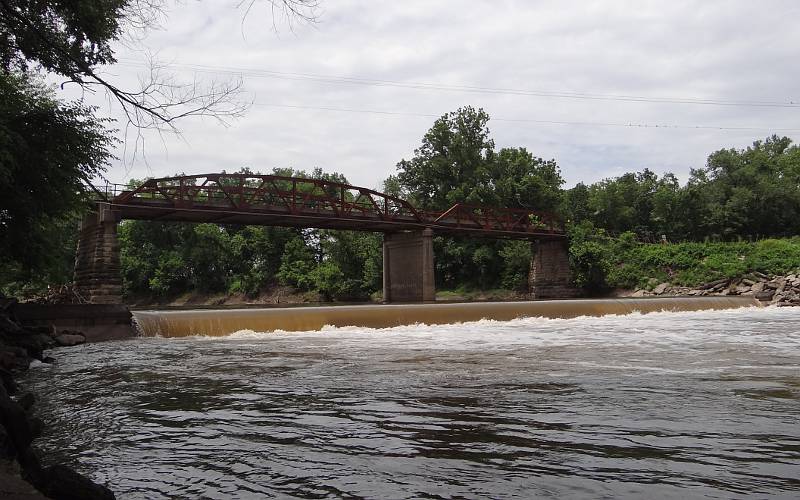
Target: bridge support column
point(550, 276)
point(97, 268)
point(408, 267)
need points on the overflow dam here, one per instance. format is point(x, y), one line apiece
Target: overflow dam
point(221, 322)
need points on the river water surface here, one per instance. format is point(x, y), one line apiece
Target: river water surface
point(668, 405)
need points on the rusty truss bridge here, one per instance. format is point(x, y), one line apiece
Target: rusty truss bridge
point(271, 200)
point(300, 202)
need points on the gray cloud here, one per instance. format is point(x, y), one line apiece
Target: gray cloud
point(726, 50)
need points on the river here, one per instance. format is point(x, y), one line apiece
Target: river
point(669, 405)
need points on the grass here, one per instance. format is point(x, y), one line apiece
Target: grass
point(692, 264)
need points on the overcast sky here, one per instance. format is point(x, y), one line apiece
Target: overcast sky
point(722, 51)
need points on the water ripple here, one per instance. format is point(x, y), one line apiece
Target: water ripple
point(680, 405)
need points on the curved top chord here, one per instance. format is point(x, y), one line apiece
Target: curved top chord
point(300, 202)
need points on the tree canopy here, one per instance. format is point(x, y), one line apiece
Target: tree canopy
point(64, 37)
point(48, 149)
point(457, 163)
point(74, 38)
point(745, 193)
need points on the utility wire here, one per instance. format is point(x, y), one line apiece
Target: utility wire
point(528, 120)
point(332, 79)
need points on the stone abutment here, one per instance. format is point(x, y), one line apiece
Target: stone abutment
point(97, 269)
point(550, 276)
point(408, 267)
point(408, 264)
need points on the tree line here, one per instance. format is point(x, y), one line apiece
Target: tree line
point(739, 194)
point(51, 150)
point(749, 193)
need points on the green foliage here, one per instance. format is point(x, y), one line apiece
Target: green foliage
point(450, 165)
point(47, 149)
point(60, 240)
point(589, 257)
point(359, 256)
point(516, 257)
point(623, 263)
point(751, 193)
point(170, 274)
point(62, 37)
point(328, 280)
point(774, 256)
point(457, 163)
point(297, 263)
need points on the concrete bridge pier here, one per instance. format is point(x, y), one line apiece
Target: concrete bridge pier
point(408, 267)
point(550, 276)
point(97, 269)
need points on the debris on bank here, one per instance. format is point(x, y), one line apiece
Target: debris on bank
point(780, 291)
point(19, 346)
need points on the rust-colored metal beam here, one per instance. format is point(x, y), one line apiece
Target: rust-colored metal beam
point(299, 202)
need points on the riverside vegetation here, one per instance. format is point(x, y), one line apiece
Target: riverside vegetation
point(738, 214)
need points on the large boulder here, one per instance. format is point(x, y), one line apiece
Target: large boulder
point(7, 448)
point(7, 382)
point(33, 343)
point(69, 338)
point(63, 483)
point(765, 295)
point(15, 421)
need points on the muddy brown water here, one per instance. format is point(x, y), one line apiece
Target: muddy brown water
point(691, 404)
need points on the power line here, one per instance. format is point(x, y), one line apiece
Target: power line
point(319, 78)
point(529, 120)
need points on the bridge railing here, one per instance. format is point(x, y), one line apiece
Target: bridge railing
point(498, 219)
point(324, 200)
point(107, 191)
point(272, 193)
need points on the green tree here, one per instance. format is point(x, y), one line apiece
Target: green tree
point(47, 151)
point(359, 256)
point(574, 206)
point(753, 192)
point(457, 163)
point(516, 264)
point(255, 256)
point(589, 257)
point(516, 178)
point(67, 38)
point(208, 257)
point(450, 165)
point(328, 280)
point(297, 264)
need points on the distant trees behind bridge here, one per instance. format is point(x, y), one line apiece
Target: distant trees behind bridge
point(750, 194)
point(739, 194)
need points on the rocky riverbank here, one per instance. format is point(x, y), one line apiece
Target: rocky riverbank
point(19, 427)
point(775, 290)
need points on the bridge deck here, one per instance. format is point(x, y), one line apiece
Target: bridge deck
point(298, 202)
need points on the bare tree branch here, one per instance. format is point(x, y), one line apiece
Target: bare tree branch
point(292, 11)
point(162, 100)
